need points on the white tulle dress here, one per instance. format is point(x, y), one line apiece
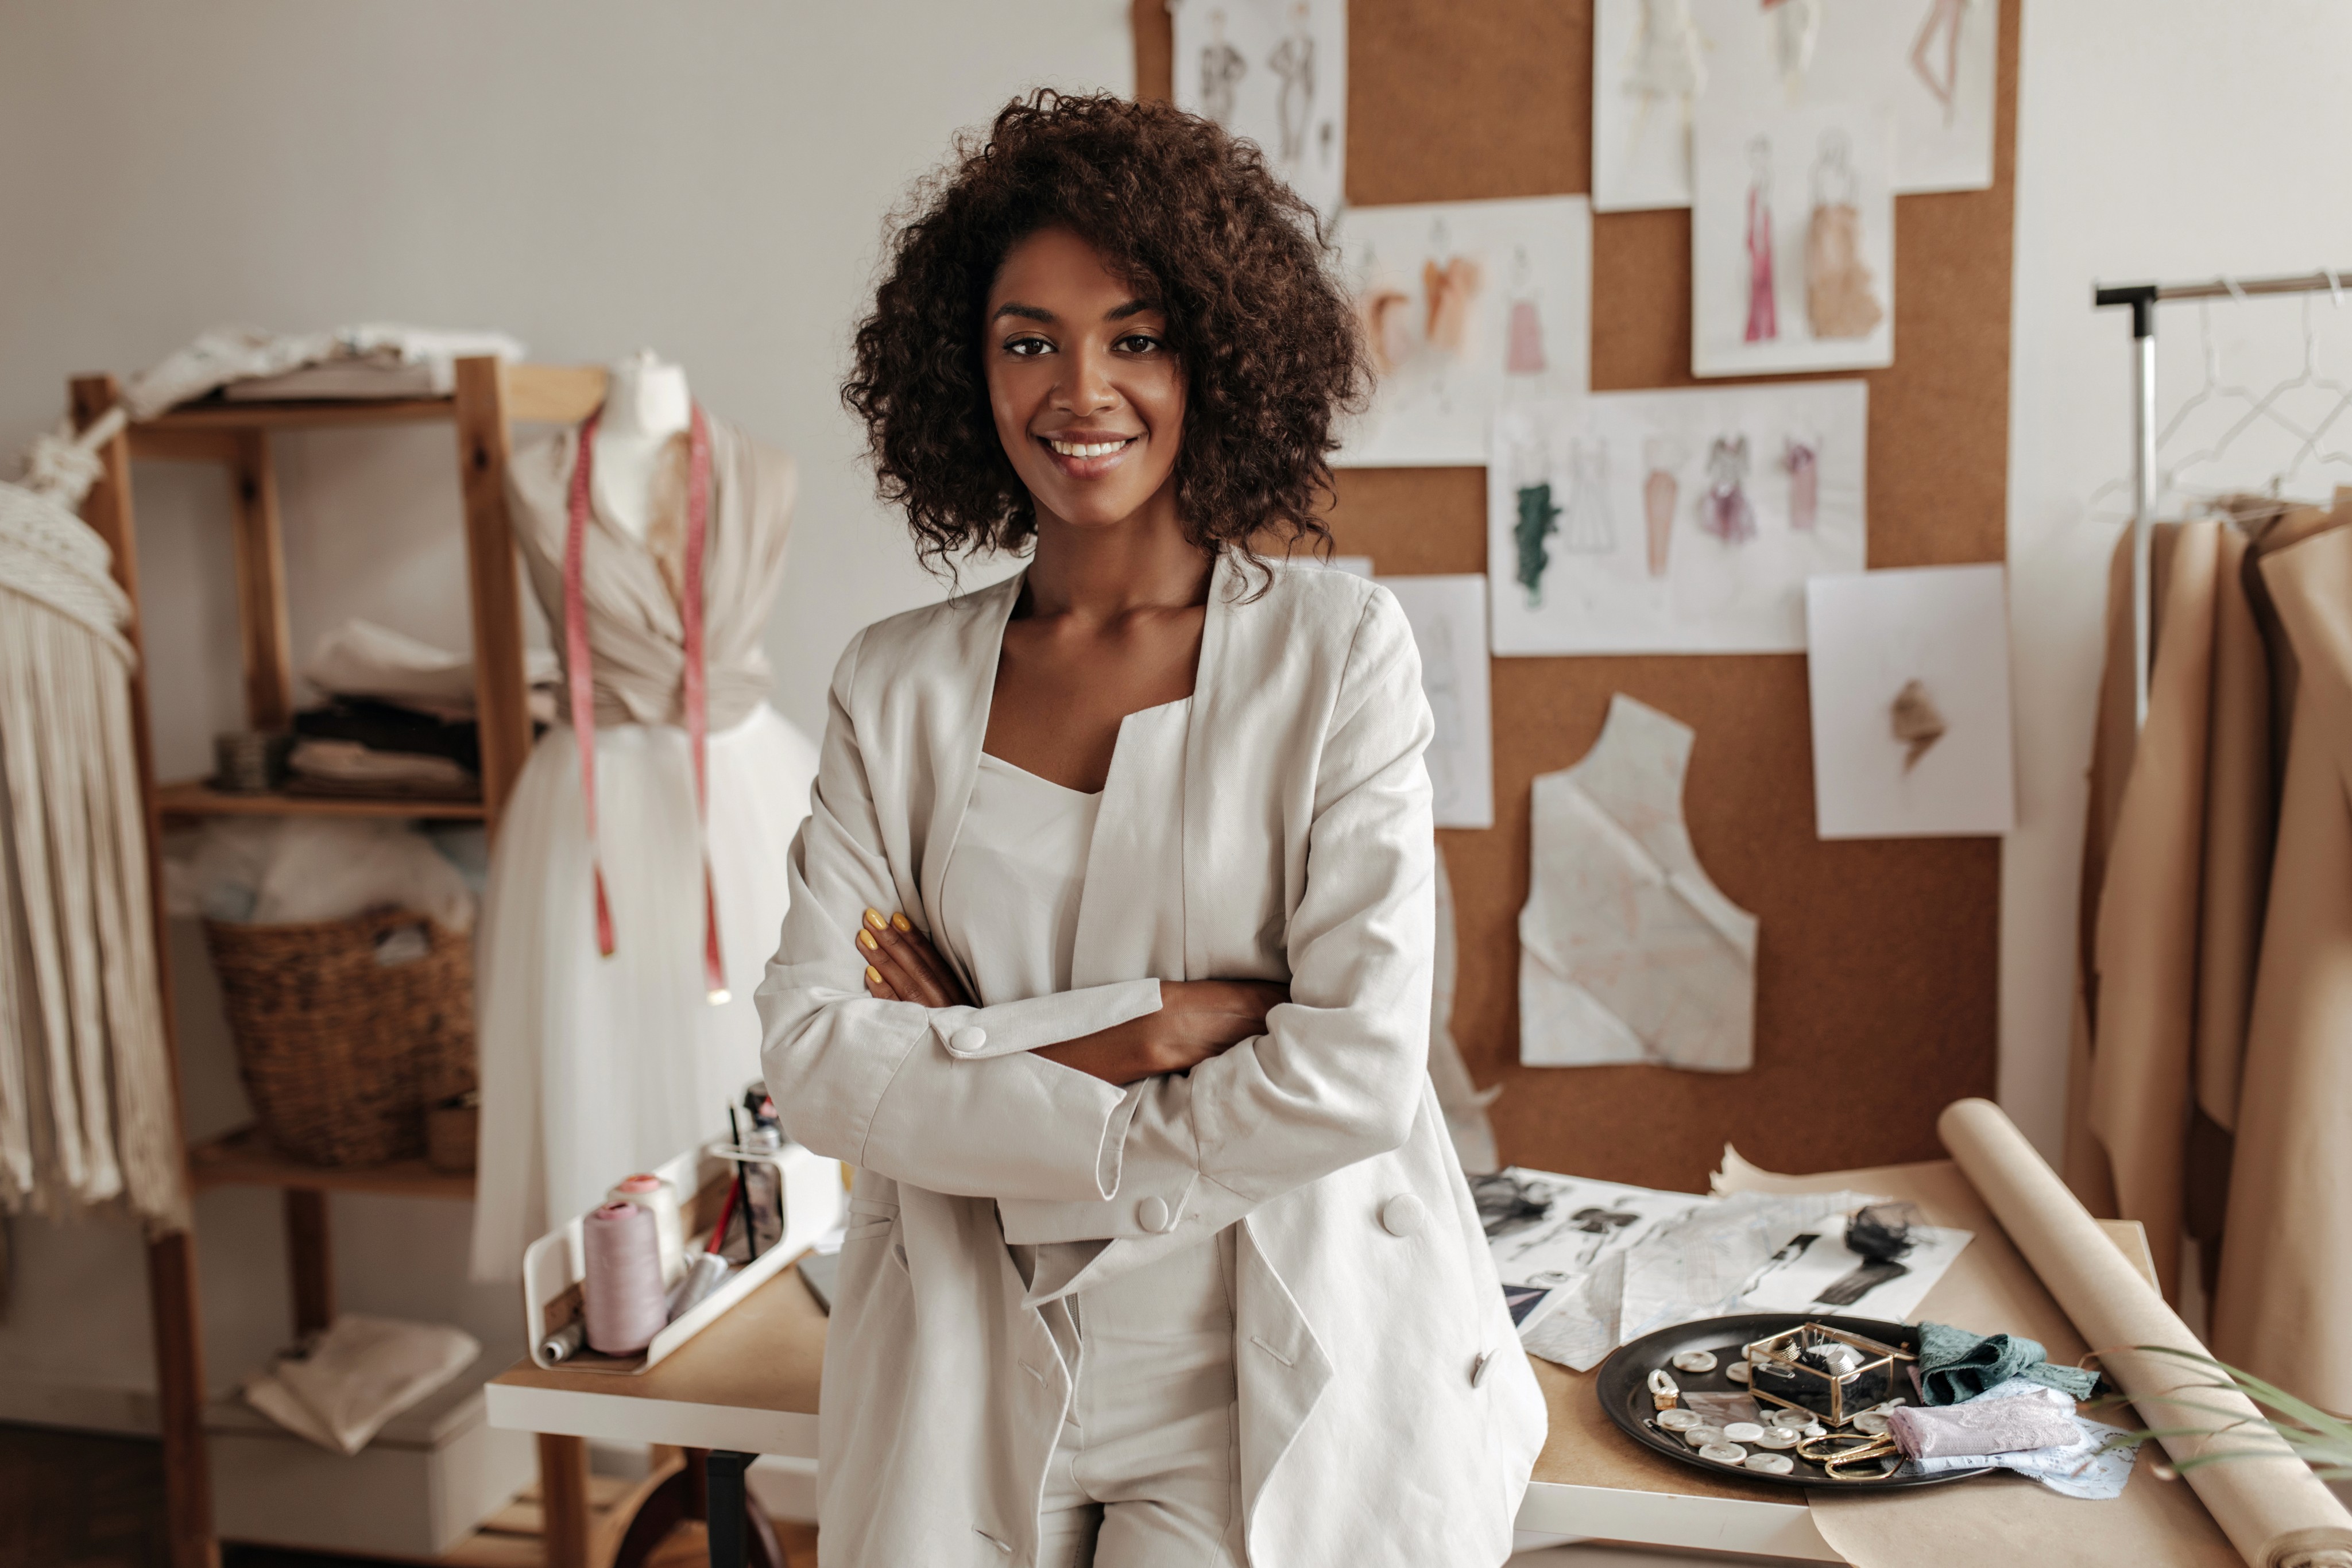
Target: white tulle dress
point(596, 1066)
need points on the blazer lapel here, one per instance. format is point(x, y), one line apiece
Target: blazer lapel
point(1200, 736)
point(957, 720)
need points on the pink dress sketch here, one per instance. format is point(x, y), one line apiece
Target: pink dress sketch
point(1522, 348)
point(1763, 316)
point(1724, 511)
point(1803, 461)
point(1659, 488)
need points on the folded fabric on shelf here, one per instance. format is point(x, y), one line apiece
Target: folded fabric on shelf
point(362, 659)
point(383, 726)
point(357, 1374)
point(224, 356)
point(1956, 1365)
point(345, 766)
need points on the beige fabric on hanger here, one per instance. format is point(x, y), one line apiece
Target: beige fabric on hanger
point(2286, 1278)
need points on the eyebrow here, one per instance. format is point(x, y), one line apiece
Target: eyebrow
point(1039, 313)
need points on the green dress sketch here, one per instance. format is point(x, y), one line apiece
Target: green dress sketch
point(1538, 520)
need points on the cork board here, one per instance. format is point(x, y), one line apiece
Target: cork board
point(1878, 976)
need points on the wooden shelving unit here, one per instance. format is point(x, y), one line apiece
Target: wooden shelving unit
point(489, 399)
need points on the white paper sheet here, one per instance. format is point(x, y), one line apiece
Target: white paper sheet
point(1673, 522)
point(1793, 240)
point(1944, 768)
point(1930, 64)
point(1467, 307)
point(1824, 1275)
point(1449, 625)
point(1276, 72)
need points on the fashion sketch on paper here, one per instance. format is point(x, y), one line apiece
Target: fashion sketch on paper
point(1942, 77)
point(1725, 510)
point(1661, 455)
point(1763, 311)
point(1588, 529)
point(1222, 70)
point(1293, 60)
point(1839, 298)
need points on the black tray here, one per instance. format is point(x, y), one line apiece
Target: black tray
point(1624, 1378)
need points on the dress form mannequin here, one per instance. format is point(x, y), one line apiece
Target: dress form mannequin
point(646, 404)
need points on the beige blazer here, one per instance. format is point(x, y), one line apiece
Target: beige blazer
point(1386, 1412)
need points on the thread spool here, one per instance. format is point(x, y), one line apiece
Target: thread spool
point(621, 1295)
point(659, 1198)
point(562, 1344)
point(704, 1275)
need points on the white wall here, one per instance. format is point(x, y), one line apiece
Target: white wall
point(2158, 140)
point(706, 180)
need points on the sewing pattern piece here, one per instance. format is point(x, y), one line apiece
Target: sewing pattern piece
point(1915, 721)
point(1763, 311)
point(1588, 529)
point(1802, 459)
point(1725, 510)
point(1627, 951)
point(1840, 301)
point(1538, 520)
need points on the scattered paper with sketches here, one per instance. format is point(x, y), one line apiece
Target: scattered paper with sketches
point(1895, 656)
point(1792, 241)
point(1467, 307)
point(2086, 1468)
point(1673, 522)
point(1628, 952)
point(1575, 1255)
point(1930, 64)
point(1449, 626)
point(1613, 1262)
point(1274, 71)
point(1815, 1272)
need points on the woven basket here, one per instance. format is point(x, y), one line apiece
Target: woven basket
point(340, 1049)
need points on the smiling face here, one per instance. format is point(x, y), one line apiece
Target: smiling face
point(1089, 400)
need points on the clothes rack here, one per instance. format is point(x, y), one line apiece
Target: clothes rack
point(2143, 299)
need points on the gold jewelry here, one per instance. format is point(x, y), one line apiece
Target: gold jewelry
point(1834, 1460)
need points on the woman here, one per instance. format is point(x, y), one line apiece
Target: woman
point(1158, 1253)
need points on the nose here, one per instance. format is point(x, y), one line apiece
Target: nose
point(1084, 386)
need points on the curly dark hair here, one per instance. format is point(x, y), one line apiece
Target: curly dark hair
point(1265, 335)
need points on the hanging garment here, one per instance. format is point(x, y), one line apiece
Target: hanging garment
point(602, 1052)
point(1839, 299)
point(1724, 511)
point(1365, 1299)
point(1627, 951)
point(1538, 520)
point(89, 1111)
point(1589, 530)
point(1763, 310)
point(1803, 461)
point(2208, 1091)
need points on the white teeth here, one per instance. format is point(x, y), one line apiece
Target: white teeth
point(1085, 449)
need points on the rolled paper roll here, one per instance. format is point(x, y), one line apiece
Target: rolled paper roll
point(2273, 1509)
point(620, 1289)
point(660, 1200)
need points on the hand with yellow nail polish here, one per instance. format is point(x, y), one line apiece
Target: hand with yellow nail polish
point(902, 966)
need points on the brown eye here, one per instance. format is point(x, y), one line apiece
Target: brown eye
point(1139, 343)
point(1027, 348)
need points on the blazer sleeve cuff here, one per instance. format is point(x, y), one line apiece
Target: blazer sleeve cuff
point(974, 1034)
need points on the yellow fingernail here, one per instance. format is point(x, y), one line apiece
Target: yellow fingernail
point(873, 976)
point(874, 919)
point(901, 922)
point(866, 940)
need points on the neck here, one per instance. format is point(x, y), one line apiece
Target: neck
point(1102, 572)
point(646, 399)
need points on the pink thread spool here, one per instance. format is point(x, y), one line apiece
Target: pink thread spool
point(621, 1292)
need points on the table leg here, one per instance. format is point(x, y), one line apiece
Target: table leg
point(741, 1534)
point(563, 1499)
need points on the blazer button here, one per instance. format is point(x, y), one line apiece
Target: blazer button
point(1403, 1215)
point(1152, 1214)
point(967, 1039)
point(1478, 1367)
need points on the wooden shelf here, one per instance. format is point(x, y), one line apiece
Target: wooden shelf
point(244, 1158)
point(195, 797)
point(308, 414)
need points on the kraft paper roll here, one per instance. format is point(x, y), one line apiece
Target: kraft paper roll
point(2274, 1510)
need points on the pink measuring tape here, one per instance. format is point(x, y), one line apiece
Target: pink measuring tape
point(696, 686)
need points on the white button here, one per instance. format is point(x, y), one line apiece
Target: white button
point(1401, 1214)
point(1478, 1367)
point(967, 1039)
point(1152, 1214)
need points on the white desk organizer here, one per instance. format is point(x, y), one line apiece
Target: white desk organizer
point(813, 1199)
